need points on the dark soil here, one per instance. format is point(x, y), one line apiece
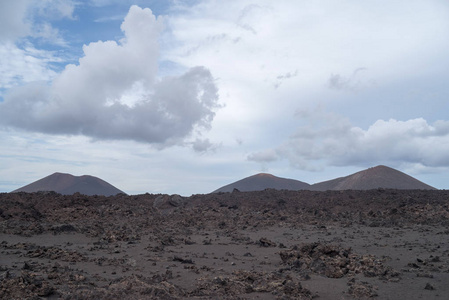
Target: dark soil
point(389, 244)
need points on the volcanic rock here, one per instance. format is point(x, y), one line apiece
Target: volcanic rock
point(352, 244)
point(166, 201)
point(334, 261)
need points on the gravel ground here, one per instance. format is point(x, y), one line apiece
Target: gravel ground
point(388, 244)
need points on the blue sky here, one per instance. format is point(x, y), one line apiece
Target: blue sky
point(187, 96)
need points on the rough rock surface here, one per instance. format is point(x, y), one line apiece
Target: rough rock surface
point(334, 261)
point(271, 244)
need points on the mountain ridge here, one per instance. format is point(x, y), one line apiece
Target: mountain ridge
point(372, 178)
point(67, 184)
point(263, 181)
point(375, 177)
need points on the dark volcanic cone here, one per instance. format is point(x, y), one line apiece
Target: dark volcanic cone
point(262, 181)
point(373, 178)
point(68, 184)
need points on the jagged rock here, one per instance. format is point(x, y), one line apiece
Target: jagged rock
point(183, 260)
point(159, 201)
point(244, 282)
point(361, 290)
point(334, 261)
point(166, 201)
point(264, 242)
point(25, 286)
point(175, 200)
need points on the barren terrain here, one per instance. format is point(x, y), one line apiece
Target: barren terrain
point(389, 244)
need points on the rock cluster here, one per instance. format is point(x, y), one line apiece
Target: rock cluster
point(246, 282)
point(333, 261)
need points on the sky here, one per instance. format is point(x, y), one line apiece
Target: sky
point(185, 96)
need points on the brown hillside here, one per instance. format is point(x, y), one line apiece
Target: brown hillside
point(262, 181)
point(68, 184)
point(373, 178)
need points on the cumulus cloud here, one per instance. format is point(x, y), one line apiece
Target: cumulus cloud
point(114, 92)
point(329, 139)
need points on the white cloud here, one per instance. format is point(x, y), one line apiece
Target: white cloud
point(48, 33)
point(95, 97)
point(309, 36)
point(274, 57)
point(43, 12)
point(20, 61)
point(24, 65)
point(329, 139)
point(22, 18)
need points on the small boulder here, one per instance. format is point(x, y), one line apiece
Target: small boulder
point(264, 242)
point(175, 200)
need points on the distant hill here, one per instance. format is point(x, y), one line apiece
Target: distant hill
point(264, 181)
point(68, 184)
point(373, 178)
